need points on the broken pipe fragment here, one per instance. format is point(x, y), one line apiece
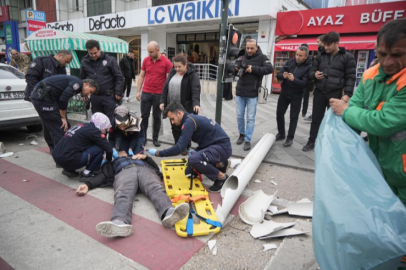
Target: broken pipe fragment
point(238, 180)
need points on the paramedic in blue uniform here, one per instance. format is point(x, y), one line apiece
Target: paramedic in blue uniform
point(50, 98)
point(43, 67)
point(104, 70)
point(214, 147)
point(84, 145)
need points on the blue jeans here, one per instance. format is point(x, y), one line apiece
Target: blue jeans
point(251, 105)
point(91, 158)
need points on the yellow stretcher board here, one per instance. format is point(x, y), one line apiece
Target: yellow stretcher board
point(176, 184)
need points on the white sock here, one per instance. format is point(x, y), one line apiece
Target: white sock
point(86, 171)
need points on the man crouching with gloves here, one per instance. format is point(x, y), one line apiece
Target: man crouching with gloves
point(127, 175)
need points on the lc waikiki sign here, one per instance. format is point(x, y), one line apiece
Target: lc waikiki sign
point(191, 11)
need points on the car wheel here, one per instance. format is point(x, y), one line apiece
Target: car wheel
point(34, 128)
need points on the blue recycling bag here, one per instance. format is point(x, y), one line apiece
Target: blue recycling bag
point(358, 222)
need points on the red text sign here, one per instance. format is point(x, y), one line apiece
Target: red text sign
point(351, 19)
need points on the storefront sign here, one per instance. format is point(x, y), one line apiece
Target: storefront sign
point(351, 19)
point(191, 11)
point(12, 37)
point(184, 12)
point(105, 23)
point(36, 20)
point(65, 26)
point(9, 37)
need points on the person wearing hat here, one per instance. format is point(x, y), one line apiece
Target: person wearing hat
point(84, 145)
point(126, 132)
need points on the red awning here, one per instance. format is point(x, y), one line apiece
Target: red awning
point(350, 43)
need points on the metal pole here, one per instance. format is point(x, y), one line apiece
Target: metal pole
point(222, 56)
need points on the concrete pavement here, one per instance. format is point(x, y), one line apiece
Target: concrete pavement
point(44, 225)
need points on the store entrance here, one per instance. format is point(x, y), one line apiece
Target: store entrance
point(200, 52)
point(134, 45)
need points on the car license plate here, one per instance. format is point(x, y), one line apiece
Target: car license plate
point(12, 95)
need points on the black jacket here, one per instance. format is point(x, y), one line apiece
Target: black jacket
point(68, 151)
point(105, 71)
point(127, 67)
point(62, 88)
point(248, 84)
point(40, 68)
point(294, 89)
point(201, 130)
point(340, 71)
point(106, 176)
point(189, 88)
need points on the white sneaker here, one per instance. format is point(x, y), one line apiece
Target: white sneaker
point(110, 229)
point(180, 212)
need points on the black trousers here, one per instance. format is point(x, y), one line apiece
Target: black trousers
point(321, 102)
point(283, 104)
point(228, 91)
point(104, 104)
point(306, 93)
point(149, 101)
point(127, 84)
point(51, 120)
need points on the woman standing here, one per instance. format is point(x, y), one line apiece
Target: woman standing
point(182, 85)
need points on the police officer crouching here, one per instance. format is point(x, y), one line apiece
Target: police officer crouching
point(126, 132)
point(84, 145)
point(50, 98)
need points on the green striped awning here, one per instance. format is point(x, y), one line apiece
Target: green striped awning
point(47, 40)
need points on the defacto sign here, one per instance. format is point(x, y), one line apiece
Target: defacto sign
point(36, 20)
point(65, 26)
point(350, 19)
point(107, 22)
point(191, 11)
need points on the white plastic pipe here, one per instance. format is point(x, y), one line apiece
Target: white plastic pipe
point(239, 179)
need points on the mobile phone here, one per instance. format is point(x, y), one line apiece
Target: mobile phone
point(286, 69)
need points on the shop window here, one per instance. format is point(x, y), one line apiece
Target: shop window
point(98, 7)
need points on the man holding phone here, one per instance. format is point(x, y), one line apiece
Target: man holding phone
point(294, 79)
point(334, 73)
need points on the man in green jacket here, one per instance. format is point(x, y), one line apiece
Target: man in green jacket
point(378, 106)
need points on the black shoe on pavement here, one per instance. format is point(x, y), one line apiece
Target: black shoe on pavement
point(309, 118)
point(303, 115)
point(224, 167)
point(288, 142)
point(218, 184)
point(156, 143)
point(279, 137)
point(70, 174)
point(144, 143)
point(309, 146)
point(247, 146)
point(240, 139)
point(85, 177)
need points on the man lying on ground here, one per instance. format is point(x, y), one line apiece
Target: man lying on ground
point(127, 175)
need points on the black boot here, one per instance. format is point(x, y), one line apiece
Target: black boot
point(240, 139)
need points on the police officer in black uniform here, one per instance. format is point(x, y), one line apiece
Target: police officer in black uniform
point(43, 67)
point(50, 98)
point(104, 70)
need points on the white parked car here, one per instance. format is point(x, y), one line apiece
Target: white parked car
point(14, 110)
